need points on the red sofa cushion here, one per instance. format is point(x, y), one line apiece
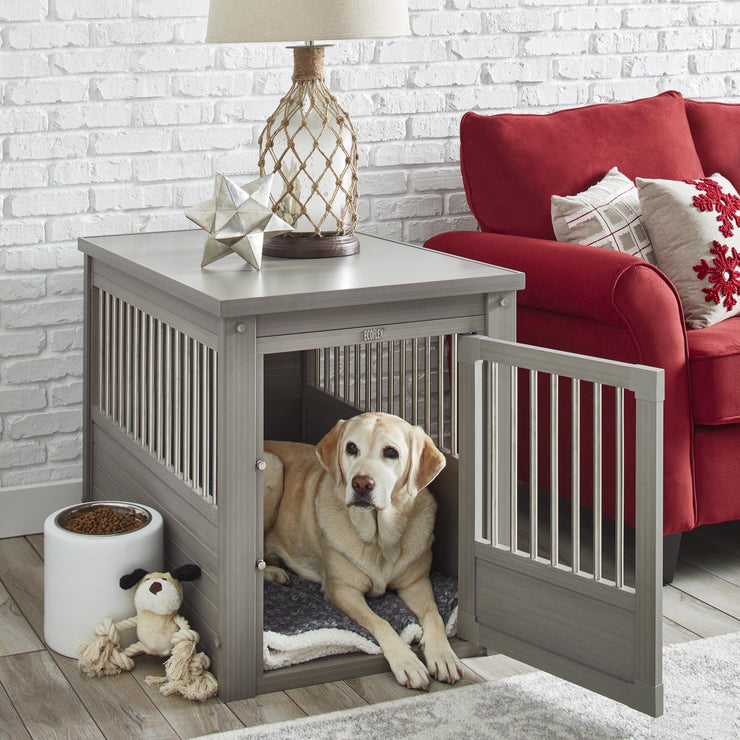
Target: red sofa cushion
point(714, 358)
point(513, 163)
point(716, 131)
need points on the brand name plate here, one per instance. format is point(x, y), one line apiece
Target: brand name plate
point(373, 335)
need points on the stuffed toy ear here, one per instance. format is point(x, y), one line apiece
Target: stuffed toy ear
point(130, 580)
point(187, 572)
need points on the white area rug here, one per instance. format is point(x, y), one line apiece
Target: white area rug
point(702, 702)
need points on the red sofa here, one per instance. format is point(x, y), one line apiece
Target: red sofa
point(606, 303)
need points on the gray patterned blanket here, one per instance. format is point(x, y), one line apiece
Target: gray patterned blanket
point(299, 625)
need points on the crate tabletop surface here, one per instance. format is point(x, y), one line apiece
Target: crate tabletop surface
point(382, 271)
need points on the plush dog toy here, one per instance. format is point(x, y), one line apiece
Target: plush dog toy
point(160, 630)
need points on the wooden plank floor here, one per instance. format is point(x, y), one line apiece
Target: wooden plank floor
point(43, 695)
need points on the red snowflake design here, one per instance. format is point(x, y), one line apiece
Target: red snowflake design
point(726, 205)
point(723, 274)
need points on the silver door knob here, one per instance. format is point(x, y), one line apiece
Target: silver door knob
point(261, 464)
point(261, 564)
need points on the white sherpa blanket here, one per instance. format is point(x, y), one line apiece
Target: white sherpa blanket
point(299, 625)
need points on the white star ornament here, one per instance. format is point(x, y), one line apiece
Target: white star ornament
point(237, 219)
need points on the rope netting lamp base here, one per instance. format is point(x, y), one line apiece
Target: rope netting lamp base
point(310, 145)
point(309, 142)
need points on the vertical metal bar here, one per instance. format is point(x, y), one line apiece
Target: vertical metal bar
point(440, 391)
point(316, 368)
point(513, 464)
point(150, 390)
point(214, 427)
point(346, 375)
point(129, 352)
point(143, 377)
point(619, 489)
point(187, 405)
point(391, 376)
point(533, 482)
point(119, 343)
point(196, 416)
point(326, 377)
point(109, 344)
point(492, 373)
point(575, 422)
point(597, 481)
point(336, 372)
point(101, 345)
point(177, 416)
point(379, 351)
point(427, 385)
point(402, 380)
point(114, 358)
point(368, 376)
point(205, 421)
point(415, 381)
point(453, 396)
point(160, 390)
point(135, 398)
point(554, 498)
point(167, 394)
point(358, 376)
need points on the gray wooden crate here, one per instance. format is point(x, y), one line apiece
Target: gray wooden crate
point(180, 380)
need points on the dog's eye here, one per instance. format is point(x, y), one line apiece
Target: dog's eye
point(390, 452)
point(351, 448)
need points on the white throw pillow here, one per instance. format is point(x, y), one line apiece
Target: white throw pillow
point(606, 215)
point(695, 229)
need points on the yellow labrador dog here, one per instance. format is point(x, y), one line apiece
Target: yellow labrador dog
point(354, 514)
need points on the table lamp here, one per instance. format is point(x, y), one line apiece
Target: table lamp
point(309, 142)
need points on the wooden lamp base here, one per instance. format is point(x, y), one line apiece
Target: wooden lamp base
point(311, 247)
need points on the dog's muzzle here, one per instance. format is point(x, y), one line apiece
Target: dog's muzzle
point(362, 488)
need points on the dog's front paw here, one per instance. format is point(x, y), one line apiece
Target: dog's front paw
point(276, 575)
point(442, 662)
point(408, 669)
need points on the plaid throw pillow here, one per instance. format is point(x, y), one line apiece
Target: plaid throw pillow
point(606, 215)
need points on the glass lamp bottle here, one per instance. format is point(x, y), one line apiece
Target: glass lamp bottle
point(309, 142)
point(310, 145)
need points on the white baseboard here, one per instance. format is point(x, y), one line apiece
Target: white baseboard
point(23, 509)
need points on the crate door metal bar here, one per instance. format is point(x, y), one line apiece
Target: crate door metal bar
point(576, 622)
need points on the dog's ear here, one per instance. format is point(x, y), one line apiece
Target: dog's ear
point(329, 452)
point(131, 579)
point(187, 572)
point(426, 460)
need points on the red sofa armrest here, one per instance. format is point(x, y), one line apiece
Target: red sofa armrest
point(572, 279)
point(602, 303)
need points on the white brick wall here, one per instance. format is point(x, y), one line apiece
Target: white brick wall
point(115, 116)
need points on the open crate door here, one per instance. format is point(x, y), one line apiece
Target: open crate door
point(542, 579)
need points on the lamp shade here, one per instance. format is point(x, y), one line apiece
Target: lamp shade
point(306, 20)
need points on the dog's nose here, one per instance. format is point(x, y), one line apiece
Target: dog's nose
point(363, 485)
point(156, 587)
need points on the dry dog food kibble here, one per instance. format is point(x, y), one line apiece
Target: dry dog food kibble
point(102, 520)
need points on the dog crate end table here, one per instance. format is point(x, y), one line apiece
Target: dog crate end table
point(174, 402)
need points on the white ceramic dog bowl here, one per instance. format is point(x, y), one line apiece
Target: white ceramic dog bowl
point(81, 573)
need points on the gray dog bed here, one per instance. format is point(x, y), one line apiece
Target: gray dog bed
point(299, 625)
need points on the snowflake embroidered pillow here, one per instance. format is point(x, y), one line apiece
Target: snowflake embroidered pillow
point(694, 226)
point(606, 215)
